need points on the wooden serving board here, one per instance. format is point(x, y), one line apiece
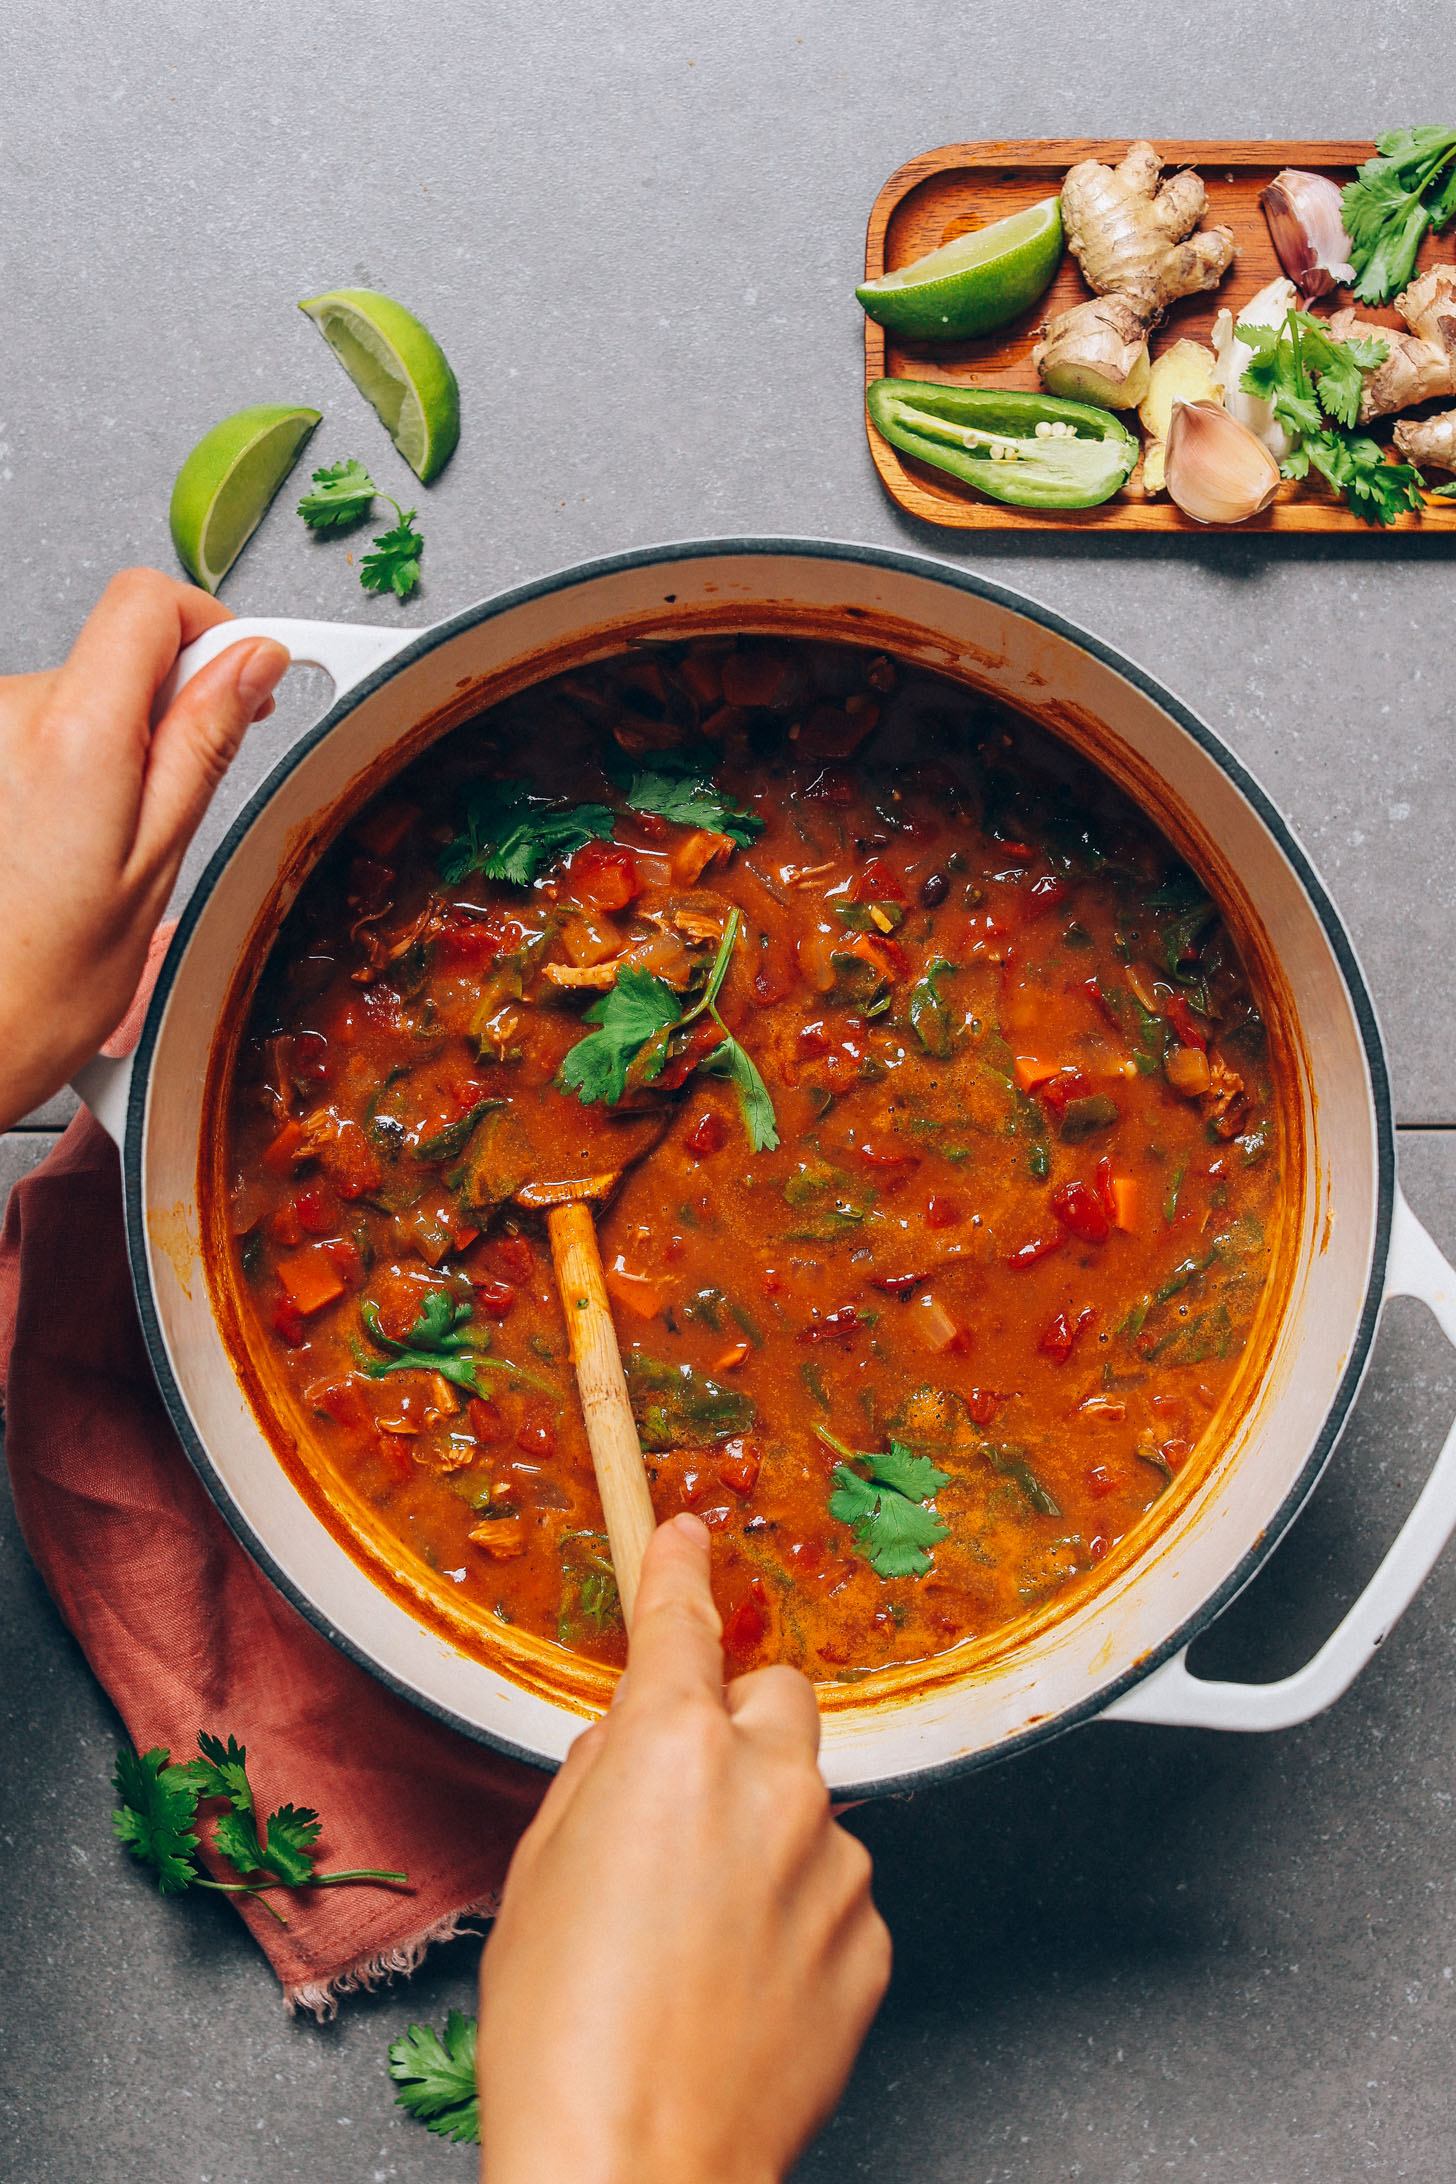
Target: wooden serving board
point(962, 186)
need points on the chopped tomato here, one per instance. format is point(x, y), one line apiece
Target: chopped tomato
point(347, 1261)
point(397, 1453)
point(1105, 1196)
point(486, 1422)
point(708, 1135)
point(943, 1212)
point(1015, 852)
point(311, 1056)
point(516, 1256)
point(702, 1039)
point(1059, 1337)
point(1176, 1453)
point(1082, 1211)
point(832, 1327)
point(1038, 1248)
point(463, 943)
point(813, 1040)
point(1067, 1085)
point(740, 1465)
point(983, 1404)
point(746, 1624)
point(605, 875)
point(343, 1401)
point(1044, 895)
point(1180, 1016)
point(312, 1212)
point(495, 1298)
point(288, 1321)
point(536, 1433)
point(1101, 1482)
point(773, 1281)
point(898, 1285)
point(876, 883)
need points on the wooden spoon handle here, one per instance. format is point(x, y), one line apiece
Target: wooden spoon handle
point(610, 1426)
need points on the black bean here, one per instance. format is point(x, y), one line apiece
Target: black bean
point(933, 889)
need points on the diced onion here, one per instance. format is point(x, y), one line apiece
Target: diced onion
point(934, 1325)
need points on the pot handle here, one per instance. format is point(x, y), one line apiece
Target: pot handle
point(1172, 1697)
point(347, 652)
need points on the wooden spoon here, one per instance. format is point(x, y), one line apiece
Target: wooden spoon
point(611, 1430)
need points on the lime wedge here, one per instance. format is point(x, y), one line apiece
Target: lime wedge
point(974, 284)
point(227, 481)
point(398, 365)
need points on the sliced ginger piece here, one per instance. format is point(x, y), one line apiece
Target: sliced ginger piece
point(1184, 373)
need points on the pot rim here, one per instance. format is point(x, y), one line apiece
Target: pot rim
point(924, 566)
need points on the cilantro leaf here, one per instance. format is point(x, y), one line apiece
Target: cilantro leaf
point(222, 1771)
point(288, 1845)
point(728, 1059)
point(679, 787)
point(436, 2078)
point(434, 1344)
point(1311, 377)
point(394, 566)
point(893, 1533)
point(154, 1820)
point(1392, 201)
point(1355, 465)
point(342, 495)
point(892, 1527)
point(627, 1015)
point(235, 1835)
point(511, 833)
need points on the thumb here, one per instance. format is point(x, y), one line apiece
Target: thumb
point(192, 747)
point(675, 1649)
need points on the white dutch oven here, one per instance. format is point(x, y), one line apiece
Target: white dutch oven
point(1119, 1652)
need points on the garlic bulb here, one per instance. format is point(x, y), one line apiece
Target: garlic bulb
point(1217, 471)
point(1268, 308)
point(1307, 229)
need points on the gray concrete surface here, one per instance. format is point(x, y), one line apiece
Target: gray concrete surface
point(1138, 1953)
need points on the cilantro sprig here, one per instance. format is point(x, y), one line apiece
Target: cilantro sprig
point(679, 787)
point(435, 2075)
point(433, 1345)
point(343, 495)
point(887, 1512)
point(510, 833)
point(1312, 378)
point(1408, 187)
point(157, 1820)
point(639, 1024)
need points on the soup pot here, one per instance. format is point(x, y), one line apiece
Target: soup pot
point(1118, 1651)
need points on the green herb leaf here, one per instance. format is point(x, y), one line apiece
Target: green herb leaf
point(436, 2078)
point(510, 833)
point(1355, 465)
point(627, 1016)
point(1385, 209)
point(892, 1527)
point(222, 1771)
point(433, 1345)
point(893, 1533)
point(755, 1103)
point(929, 1009)
point(154, 1820)
point(455, 1136)
point(676, 1407)
point(394, 565)
point(341, 496)
point(679, 787)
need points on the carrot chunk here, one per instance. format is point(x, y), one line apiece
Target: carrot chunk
point(310, 1278)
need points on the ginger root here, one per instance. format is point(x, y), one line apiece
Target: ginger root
point(1429, 441)
point(1428, 307)
point(1185, 373)
point(1134, 239)
point(1413, 370)
point(1096, 352)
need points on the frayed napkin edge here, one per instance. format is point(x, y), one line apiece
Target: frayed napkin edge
point(322, 1996)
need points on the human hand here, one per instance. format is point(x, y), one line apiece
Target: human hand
point(687, 1957)
point(97, 808)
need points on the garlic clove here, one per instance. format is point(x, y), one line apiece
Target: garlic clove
point(1217, 471)
point(1269, 308)
point(1307, 228)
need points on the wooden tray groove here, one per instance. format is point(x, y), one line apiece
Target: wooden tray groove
point(968, 185)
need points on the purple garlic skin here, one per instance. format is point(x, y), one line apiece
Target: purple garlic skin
point(1306, 226)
